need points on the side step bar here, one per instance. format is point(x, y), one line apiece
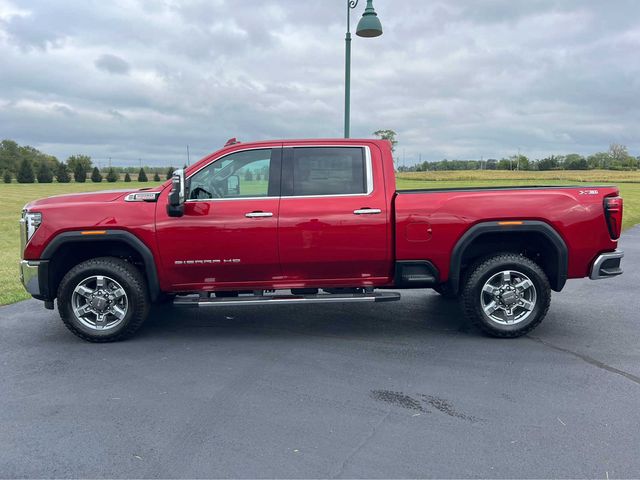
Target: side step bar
point(197, 301)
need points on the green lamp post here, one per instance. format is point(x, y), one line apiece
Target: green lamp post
point(368, 26)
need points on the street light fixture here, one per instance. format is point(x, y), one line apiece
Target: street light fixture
point(369, 26)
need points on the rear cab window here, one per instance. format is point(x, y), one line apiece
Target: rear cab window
point(320, 171)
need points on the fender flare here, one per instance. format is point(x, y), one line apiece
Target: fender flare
point(534, 226)
point(150, 270)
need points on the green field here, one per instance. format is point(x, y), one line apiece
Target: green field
point(14, 196)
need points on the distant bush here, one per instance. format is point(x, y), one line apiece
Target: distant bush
point(80, 173)
point(170, 173)
point(127, 177)
point(156, 177)
point(25, 172)
point(6, 177)
point(62, 173)
point(112, 176)
point(142, 177)
point(96, 177)
point(44, 175)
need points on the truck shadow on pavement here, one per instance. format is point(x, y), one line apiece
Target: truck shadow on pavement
point(422, 313)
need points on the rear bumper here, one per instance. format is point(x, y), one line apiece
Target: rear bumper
point(29, 276)
point(607, 265)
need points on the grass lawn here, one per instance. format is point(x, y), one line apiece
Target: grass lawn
point(14, 197)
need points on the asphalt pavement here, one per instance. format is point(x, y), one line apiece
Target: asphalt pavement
point(402, 389)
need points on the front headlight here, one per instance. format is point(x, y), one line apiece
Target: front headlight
point(32, 221)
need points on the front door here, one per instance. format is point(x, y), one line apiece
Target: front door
point(334, 223)
point(227, 237)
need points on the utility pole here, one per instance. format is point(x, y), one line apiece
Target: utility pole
point(188, 157)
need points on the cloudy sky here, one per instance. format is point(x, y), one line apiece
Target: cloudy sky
point(455, 78)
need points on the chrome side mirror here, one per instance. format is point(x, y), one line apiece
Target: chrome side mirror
point(175, 205)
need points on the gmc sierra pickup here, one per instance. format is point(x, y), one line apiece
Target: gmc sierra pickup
point(312, 221)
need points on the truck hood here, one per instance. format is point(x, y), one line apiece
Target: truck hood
point(87, 197)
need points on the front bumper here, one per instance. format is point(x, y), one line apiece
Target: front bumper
point(29, 276)
point(607, 265)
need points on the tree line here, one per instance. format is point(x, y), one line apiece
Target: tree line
point(616, 158)
point(27, 164)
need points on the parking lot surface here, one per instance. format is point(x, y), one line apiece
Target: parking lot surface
point(402, 389)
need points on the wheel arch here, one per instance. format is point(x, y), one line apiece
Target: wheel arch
point(67, 249)
point(530, 237)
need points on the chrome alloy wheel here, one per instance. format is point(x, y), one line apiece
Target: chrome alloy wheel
point(508, 297)
point(99, 302)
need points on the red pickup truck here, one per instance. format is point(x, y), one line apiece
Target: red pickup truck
point(312, 221)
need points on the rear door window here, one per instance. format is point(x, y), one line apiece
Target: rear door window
point(328, 171)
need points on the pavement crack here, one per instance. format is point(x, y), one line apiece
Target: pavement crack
point(591, 361)
point(361, 445)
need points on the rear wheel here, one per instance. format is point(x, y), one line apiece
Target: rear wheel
point(506, 295)
point(103, 300)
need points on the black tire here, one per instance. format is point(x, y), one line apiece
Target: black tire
point(485, 269)
point(131, 280)
point(445, 291)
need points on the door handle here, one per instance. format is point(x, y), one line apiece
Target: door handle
point(258, 214)
point(367, 211)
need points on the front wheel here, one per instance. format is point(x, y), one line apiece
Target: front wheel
point(506, 295)
point(103, 299)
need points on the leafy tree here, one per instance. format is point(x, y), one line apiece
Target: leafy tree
point(491, 164)
point(389, 135)
point(127, 177)
point(599, 160)
point(620, 157)
point(44, 175)
point(170, 173)
point(505, 164)
point(248, 176)
point(6, 177)
point(549, 163)
point(79, 173)
point(62, 173)
point(142, 177)
point(96, 177)
point(520, 162)
point(9, 155)
point(74, 160)
point(617, 152)
point(156, 177)
point(112, 176)
point(574, 161)
point(25, 172)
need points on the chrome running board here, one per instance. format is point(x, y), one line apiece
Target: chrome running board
point(198, 301)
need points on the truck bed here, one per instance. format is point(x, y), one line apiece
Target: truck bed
point(429, 222)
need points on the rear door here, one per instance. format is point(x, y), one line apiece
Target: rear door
point(333, 217)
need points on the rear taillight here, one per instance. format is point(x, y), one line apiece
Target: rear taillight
point(613, 213)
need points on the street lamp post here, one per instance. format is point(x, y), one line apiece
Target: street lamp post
point(368, 26)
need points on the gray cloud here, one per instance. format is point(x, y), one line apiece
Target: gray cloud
point(455, 78)
point(112, 64)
